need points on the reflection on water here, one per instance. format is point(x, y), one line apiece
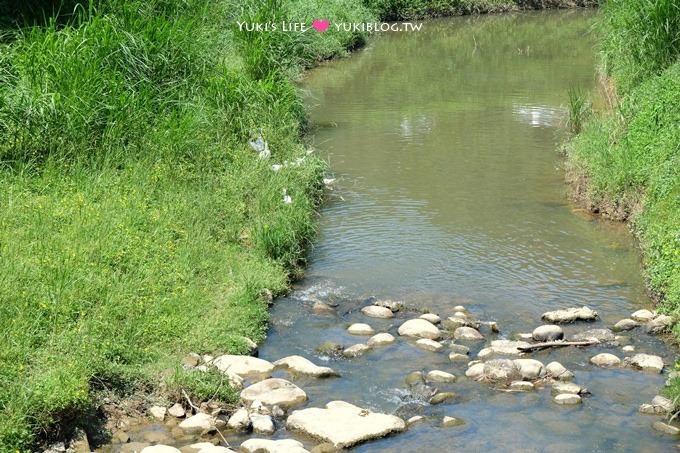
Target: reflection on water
point(539, 115)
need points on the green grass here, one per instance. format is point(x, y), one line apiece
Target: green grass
point(136, 224)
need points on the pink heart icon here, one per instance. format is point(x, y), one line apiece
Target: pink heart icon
point(320, 25)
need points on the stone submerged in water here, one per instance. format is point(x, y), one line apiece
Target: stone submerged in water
point(599, 335)
point(521, 386)
point(360, 328)
point(356, 350)
point(429, 345)
point(467, 334)
point(393, 305)
point(452, 421)
point(559, 388)
point(419, 328)
point(274, 391)
point(273, 446)
point(381, 339)
point(605, 360)
point(666, 428)
point(547, 332)
point(302, 365)
point(374, 311)
point(344, 424)
point(456, 357)
point(660, 405)
point(625, 324)
point(559, 372)
point(570, 315)
point(645, 362)
point(459, 348)
point(440, 376)
point(415, 419)
point(322, 308)
point(501, 371)
point(567, 399)
point(442, 397)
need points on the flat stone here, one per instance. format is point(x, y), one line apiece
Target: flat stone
point(530, 369)
point(567, 399)
point(625, 324)
point(322, 308)
point(628, 348)
point(547, 332)
point(344, 424)
point(243, 365)
point(570, 315)
point(431, 317)
point(567, 387)
point(521, 386)
point(415, 419)
point(508, 347)
point(605, 360)
point(439, 376)
point(643, 316)
point(442, 397)
point(502, 371)
point(666, 428)
point(356, 350)
point(419, 328)
point(198, 424)
point(448, 422)
point(456, 357)
point(360, 329)
point(177, 410)
point(476, 371)
point(273, 446)
point(429, 345)
point(600, 335)
point(374, 311)
point(467, 334)
point(239, 421)
point(302, 365)
point(459, 348)
point(660, 324)
point(160, 449)
point(381, 339)
point(559, 372)
point(263, 424)
point(158, 412)
point(645, 362)
point(274, 391)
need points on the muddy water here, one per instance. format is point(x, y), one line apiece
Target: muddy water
point(450, 191)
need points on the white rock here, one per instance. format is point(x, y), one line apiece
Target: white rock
point(643, 316)
point(207, 447)
point(530, 369)
point(301, 365)
point(459, 308)
point(360, 329)
point(440, 376)
point(485, 353)
point(558, 371)
point(243, 365)
point(273, 446)
point(502, 371)
point(467, 333)
point(456, 357)
point(567, 399)
point(274, 391)
point(451, 421)
point(262, 424)
point(431, 317)
point(381, 339)
point(521, 386)
point(198, 423)
point(344, 424)
point(524, 336)
point(547, 332)
point(239, 421)
point(570, 315)
point(625, 324)
point(476, 371)
point(628, 348)
point(419, 328)
point(645, 362)
point(567, 387)
point(600, 335)
point(508, 347)
point(373, 311)
point(459, 348)
point(160, 449)
point(158, 412)
point(415, 419)
point(356, 350)
point(605, 360)
point(177, 410)
point(429, 345)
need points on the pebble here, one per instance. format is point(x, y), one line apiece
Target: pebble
point(645, 362)
point(459, 348)
point(530, 369)
point(419, 328)
point(605, 360)
point(567, 399)
point(476, 371)
point(440, 376)
point(381, 339)
point(559, 388)
point(429, 345)
point(197, 424)
point(360, 329)
point(628, 348)
point(263, 424)
point(431, 317)
point(374, 311)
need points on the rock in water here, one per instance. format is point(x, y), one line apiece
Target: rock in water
point(547, 332)
point(274, 391)
point(321, 308)
point(442, 397)
point(431, 317)
point(356, 350)
point(344, 424)
point(467, 333)
point(452, 421)
point(570, 315)
point(419, 328)
point(530, 369)
point(567, 399)
point(559, 372)
point(645, 362)
point(568, 387)
point(521, 386)
point(605, 360)
point(301, 365)
point(429, 345)
point(660, 324)
point(666, 428)
point(625, 324)
point(239, 421)
point(273, 446)
point(381, 339)
point(263, 424)
point(242, 365)
point(600, 335)
point(476, 371)
point(160, 449)
point(501, 371)
point(643, 316)
point(360, 328)
point(197, 424)
point(440, 376)
point(373, 311)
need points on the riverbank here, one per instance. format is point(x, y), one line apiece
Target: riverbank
point(624, 163)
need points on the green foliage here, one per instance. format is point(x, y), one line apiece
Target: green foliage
point(641, 38)
point(579, 110)
point(203, 386)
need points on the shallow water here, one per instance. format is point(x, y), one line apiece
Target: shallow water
point(451, 191)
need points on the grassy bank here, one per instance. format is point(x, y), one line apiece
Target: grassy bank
point(626, 160)
point(136, 223)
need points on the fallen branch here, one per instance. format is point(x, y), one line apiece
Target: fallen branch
point(556, 344)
